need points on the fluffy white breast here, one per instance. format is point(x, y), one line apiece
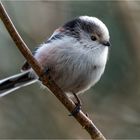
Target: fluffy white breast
point(73, 63)
point(100, 56)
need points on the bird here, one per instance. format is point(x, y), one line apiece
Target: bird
point(75, 56)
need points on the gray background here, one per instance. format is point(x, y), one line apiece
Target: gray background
point(113, 103)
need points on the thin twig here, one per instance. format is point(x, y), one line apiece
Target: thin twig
point(68, 103)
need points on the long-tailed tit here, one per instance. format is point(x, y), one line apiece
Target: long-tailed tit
point(75, 55)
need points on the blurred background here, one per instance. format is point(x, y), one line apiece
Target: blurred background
point(113, 103)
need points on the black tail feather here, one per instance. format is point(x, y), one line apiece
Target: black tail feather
point(12, 83)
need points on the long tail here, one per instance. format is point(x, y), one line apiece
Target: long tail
point(15, 82)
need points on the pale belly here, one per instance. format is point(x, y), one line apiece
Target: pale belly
point(72, 68)
point(77, 80)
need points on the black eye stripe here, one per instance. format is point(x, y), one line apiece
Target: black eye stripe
point(86, 26)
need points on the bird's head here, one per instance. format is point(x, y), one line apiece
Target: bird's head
point(89, 31)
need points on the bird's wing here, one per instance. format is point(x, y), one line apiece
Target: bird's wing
point(56, 35)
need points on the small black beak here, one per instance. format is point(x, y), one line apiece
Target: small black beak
point(106, 43)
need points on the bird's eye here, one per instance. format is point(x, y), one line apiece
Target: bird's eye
point(93, 38)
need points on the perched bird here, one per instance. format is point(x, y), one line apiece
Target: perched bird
point(75, 55)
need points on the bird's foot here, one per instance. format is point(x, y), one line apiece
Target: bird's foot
point(46, 72)
point(77, 108)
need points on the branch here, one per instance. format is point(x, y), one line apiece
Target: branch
point(68, 103)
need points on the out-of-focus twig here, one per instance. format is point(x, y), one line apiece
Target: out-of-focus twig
point(68, 103)
point(129, 16)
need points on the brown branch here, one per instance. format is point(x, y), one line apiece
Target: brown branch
point(68, 103)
